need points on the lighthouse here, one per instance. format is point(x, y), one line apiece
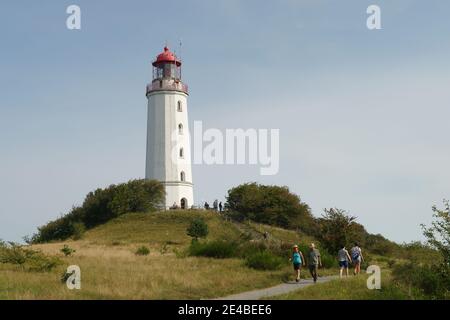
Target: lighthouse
point(168, 142)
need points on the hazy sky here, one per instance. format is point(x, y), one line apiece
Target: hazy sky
point(363, 115)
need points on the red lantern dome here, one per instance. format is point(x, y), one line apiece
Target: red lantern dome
point(166, 57)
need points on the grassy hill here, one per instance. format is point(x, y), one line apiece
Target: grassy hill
point(159, 228)
point(111, 269)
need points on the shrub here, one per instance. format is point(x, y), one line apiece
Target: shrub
point(378, 244)
point(428, 280)
point(180, 253)
point(248, 248)
point(26, 259)
point(270, 205)
point(215, 249)
point(67, 251)
point(42, 263)
point(328, 261)
point(438, 235)
point(264, 260)
point(101, 206)
point(417, 251)
point(432, 280)
point(143, 251)
point(197, 229)
point(59, 229)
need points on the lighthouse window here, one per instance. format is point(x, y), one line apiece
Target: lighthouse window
point(181, 153)
point(180, 106)
point(169, 71)
point(180, 128)
point(183, 176)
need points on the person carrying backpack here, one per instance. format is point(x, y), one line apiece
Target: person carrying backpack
point(357, 258)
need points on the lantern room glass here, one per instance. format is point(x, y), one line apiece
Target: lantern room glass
point(167, 70)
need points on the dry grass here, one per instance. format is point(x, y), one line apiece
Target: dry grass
point(112, 273)
point(111, 270)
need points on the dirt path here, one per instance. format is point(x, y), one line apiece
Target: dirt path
point(274, 291)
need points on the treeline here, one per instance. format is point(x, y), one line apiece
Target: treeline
point(275, 205)
point(101, 206)
point(420, 269)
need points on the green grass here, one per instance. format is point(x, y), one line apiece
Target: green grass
point(352, 288)
point(280, 234)
point(159, 228)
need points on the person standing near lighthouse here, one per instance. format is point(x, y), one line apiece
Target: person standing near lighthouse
point(168, 143)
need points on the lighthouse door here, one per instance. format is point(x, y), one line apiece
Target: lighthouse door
point(184, 203)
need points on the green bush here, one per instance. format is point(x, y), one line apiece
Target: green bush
point(248, 248)
point(101, 206)
point(264, 260)
point(59, 229)
point(214, 249)
point(428, 280)
point(328, 261)
point(197, 229)
point(417, 251)
point(67, 251)
point(377, 244)
point(26, 259)
point(143, 251)
point(270, 205)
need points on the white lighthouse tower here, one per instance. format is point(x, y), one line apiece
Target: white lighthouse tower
point(168, 142)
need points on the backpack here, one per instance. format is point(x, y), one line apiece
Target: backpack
point(355, 253)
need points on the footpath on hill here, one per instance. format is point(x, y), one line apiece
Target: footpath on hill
point(277, 290)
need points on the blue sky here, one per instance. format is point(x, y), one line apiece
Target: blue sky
point(363, 115)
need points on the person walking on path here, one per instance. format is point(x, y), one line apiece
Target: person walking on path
point(314, 261)
point(297, 260)
point(344, 259)
point(357, 258)
point(220, 206)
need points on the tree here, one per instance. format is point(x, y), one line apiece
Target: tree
point(101, 206)
point(438, 235)
point(432, 277)
point(273, 205)
point(337, 228)
point(197, 229)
